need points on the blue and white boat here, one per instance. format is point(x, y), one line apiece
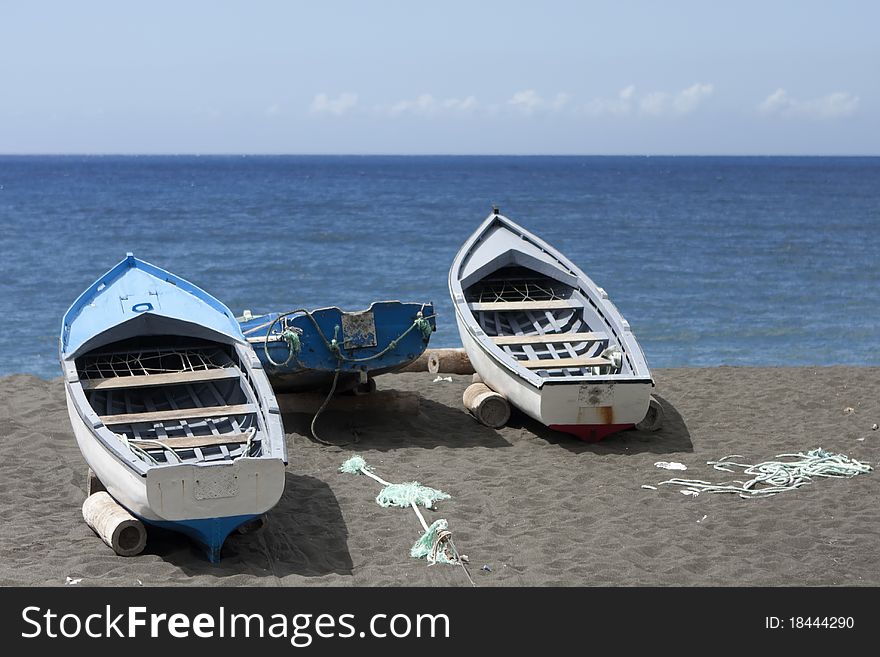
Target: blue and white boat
point(311, 349)
point(170, 405)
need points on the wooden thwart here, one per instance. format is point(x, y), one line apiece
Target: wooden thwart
point(558, 363)
point(548, 338)
point(179, 414)
point(169, 378)
point(503, 306)
point(201, 441)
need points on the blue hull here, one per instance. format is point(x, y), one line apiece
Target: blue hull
point(383, 338)
point(210, 533)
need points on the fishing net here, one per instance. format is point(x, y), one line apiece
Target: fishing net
point(406, 494)
point(434, 545)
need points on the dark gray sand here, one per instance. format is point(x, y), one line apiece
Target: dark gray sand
point(538, 508)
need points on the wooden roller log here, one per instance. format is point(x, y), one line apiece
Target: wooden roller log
point(653, 420)
point(381, 401)
point(114, 525)
point(441, 361)
point(476, 378)
point(486, 405)
point(420, 364)
point(449, 361)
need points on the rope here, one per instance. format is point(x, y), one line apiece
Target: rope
point(460, 560)
point(420, 322)
point(252, 431)
point(294, 346)
point(321, 410)
point(423, 325)
point(134, 449)
point(442, 537)
point(772, 477)
point(415, 507)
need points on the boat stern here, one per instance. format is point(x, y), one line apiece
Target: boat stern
point(593, 411)
point(191, 491)
point(209, 501)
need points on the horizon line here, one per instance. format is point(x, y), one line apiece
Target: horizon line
point(379, 154)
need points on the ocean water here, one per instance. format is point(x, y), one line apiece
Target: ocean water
point(713, 260)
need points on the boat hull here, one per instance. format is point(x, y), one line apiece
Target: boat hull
point(210, 533)
point(589, 410)
point(370, 342)
point(205, 502)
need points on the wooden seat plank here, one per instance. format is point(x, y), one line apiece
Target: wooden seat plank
point(189, 442)
point(558, 363)
point(164, 379)
point(179, 414)
point(509, 306)
point(548, 338)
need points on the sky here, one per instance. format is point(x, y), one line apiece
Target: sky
point(409, 77)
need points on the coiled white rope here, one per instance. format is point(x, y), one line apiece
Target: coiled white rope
point(772, 477)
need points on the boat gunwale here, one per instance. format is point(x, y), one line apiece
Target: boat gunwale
point(607, 311)
point(315, 310)
point(117, 272)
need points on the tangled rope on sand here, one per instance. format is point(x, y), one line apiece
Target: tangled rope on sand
point(772, 477)
point(435, 545)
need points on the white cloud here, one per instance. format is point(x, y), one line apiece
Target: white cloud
point(835, 105)
point(663, 103)
point(775, 102)
point(655, 103)
point(423, 104)
point(323, 104)
point(273, 109)
point(427, 105)
point(461, 104)
point(529, 102)
point(618, 106)
point(559, 101)
point(687, 100)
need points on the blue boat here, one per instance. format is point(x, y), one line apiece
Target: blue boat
point(319, 349)
point(170, 405)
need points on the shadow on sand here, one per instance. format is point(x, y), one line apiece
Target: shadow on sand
point(305, 535)
point(672, 437)
point(435, 425)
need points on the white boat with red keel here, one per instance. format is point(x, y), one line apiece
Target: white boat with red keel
point(542, 334)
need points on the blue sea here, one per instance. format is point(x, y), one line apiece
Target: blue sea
point(713, 260)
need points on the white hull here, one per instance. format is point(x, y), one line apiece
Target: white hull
point(172, 493)
point(610, 405)
point(541, 333)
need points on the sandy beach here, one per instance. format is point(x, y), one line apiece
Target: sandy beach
point(535, 507)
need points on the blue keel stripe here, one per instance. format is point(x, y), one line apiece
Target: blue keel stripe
point(210, 533)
